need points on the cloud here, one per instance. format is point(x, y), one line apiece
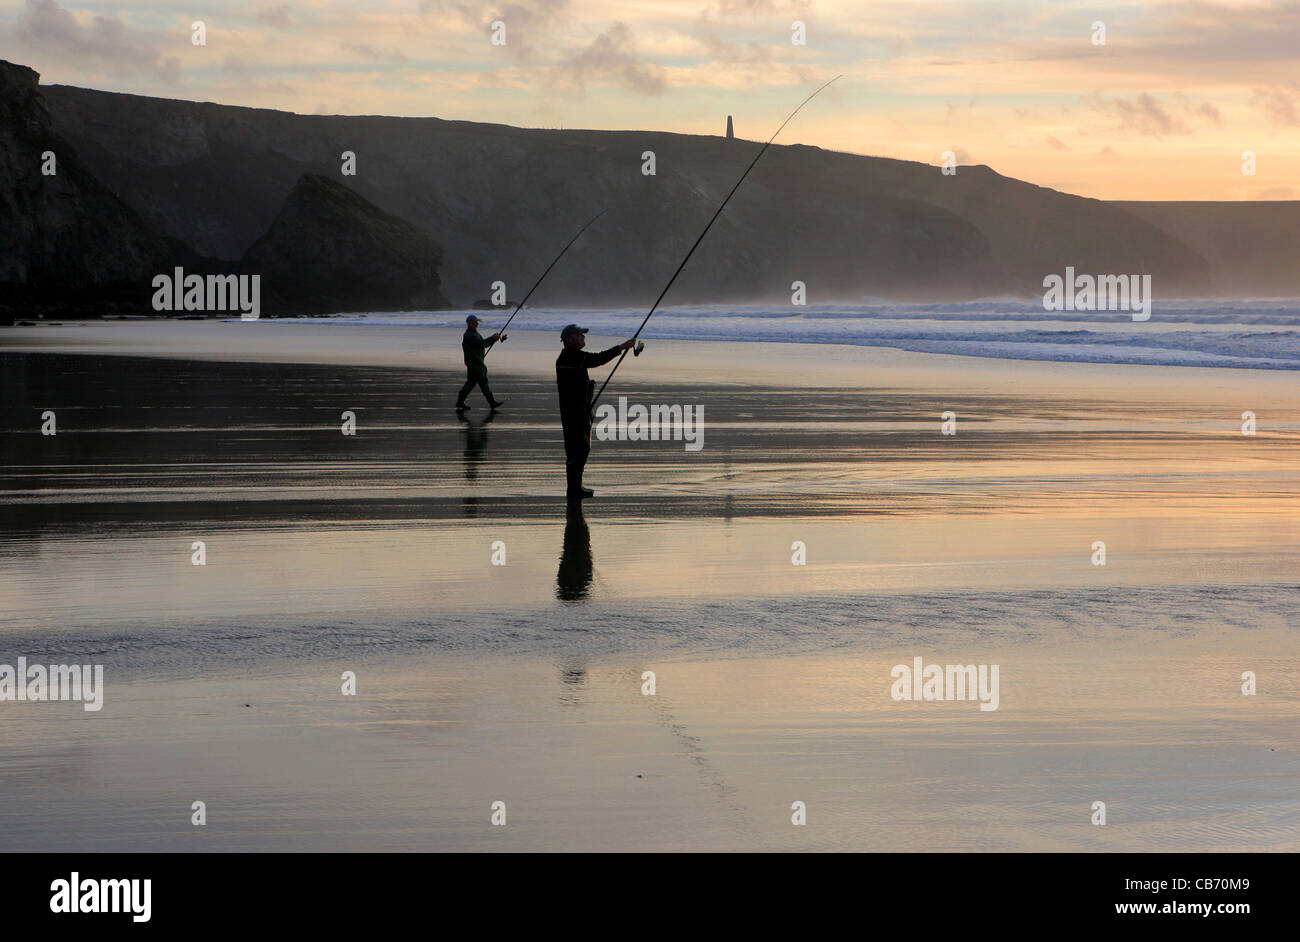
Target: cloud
point(280, 17)
point(527, 22)
point(613, 55)
point(1281, 104)
point(246, 72)
point(1203, 110)
point(719, 49)
point(105, 42)
point(1056, 144)
point(1146, 115)
point(1149, 116)
point(446, 6)
point(753, 7)
point(953, 109)
point(523, 14)
point(367, 51)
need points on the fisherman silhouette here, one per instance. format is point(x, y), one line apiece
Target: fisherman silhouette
point(474, 348)
point(575, 388)
point(573, 581)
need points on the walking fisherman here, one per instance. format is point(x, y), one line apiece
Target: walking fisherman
point(475, 347)
point(575, 400)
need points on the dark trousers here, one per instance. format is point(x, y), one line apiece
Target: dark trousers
point(475, 376)
point(577, 446)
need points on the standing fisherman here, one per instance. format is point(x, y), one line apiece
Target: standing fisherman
point(575, 400)
point(475, 348)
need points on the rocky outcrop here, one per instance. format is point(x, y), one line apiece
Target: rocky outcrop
point(330, 250)
point(68, 244)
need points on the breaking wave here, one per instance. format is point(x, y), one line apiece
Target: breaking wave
point(1251, 334)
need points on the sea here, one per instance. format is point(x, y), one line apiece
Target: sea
point(1244, 334)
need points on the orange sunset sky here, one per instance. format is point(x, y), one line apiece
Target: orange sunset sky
point(1163, 110)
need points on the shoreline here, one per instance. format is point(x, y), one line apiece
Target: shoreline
point(530, 353)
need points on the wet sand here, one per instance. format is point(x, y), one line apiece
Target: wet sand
point(522, 683)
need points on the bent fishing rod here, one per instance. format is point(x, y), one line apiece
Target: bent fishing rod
point(721, 207)
point(502, 331)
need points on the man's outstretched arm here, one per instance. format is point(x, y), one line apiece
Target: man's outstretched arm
point(590, 360)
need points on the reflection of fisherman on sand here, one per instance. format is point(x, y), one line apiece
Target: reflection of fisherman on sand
point(573, 581)
point(573, 674)
point(476, 437)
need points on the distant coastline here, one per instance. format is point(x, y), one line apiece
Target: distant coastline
point(449, 208)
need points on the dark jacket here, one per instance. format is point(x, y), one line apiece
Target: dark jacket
point(474, 347)
point(571, 378)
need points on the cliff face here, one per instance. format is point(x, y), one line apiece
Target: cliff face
point(1252, 246)
point(142, 182)
point(67, 241)
point(70, 246)
point(503, 200)
point(329, 250)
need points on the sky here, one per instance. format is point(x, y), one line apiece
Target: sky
point(1167, 107)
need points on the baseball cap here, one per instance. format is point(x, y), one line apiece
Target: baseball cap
point(472, 319)
point(572, 329)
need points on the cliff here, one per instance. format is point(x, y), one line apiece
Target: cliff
point(1252, 246)
point(70, 246)
point(502, 200)
point(329, 250)
point(67, 243)
point(442, 209)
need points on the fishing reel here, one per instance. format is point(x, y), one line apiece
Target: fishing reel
point(640, 345)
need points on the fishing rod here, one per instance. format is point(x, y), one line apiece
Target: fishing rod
point(718, 213)
point(543, 278)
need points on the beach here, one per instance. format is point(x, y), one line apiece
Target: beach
point(826, 531)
